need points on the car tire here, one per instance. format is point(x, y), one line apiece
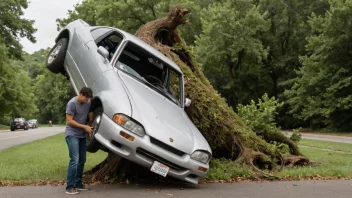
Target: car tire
point(56, 58)
point(12, 129)
point(26, 128)
point(92, 144)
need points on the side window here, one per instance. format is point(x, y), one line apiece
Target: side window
point(96, 33)
point(110, 42)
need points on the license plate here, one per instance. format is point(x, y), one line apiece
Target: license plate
point(159, 168)
point(18, 126)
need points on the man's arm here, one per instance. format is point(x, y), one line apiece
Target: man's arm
point(72, 122)
point(90, 118)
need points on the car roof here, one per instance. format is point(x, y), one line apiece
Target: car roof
point(144, 45)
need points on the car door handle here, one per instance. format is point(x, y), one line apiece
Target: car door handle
point(85, 45)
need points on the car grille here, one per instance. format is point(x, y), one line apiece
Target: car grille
point(159, 159)
point(166, 147)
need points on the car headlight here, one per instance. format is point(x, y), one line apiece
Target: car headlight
point(201, 156)
point(128, 123)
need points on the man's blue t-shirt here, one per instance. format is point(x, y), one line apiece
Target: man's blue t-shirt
point(80, 114)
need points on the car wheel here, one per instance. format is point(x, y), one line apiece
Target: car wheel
point(92, 144)
point(12, 129)
point(56, 58)
point(26, 128)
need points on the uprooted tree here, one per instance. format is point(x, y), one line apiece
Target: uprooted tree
point(226, 134)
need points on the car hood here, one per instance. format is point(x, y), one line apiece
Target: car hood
point(162, 119)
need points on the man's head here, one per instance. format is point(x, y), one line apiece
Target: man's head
point(84, 95)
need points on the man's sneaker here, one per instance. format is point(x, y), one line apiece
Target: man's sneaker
point(82, 188)
point(72, 191)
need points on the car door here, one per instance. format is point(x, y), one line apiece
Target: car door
point(85, 65)
point(92, 65)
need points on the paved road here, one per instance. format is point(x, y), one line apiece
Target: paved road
point(14, 138)
point(301, 189)
point(329, 138)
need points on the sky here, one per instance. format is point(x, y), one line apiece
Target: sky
point(45, 13)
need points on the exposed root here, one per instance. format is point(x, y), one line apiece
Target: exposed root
point(239, 145)
point(279, 137)
point(296, 161)
point(109, 167)
point(282, 161)
point(259, 159)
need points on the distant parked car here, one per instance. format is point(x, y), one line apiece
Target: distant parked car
point(138, 101)
point(19, 123)
point(30, 124)
point(35, 123)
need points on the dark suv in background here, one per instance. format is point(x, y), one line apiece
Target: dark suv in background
point(19, 123)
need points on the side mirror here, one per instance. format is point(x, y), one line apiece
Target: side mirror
point(188, 102)
point(103, 52)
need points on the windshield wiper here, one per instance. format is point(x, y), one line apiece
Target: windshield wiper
point(166, 94)
point(161, 91)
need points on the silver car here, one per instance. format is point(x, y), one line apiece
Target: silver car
point(138, 99)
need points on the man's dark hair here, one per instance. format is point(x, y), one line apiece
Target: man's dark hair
point(86, 91)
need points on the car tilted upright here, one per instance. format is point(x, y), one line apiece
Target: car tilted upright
point(138, 101)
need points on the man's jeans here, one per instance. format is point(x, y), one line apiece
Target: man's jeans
point(77, 151)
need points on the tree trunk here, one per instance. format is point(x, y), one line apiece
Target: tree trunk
point(225, 132)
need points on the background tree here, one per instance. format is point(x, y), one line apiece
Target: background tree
point(54, 91)
point(230, 50)
point(30, 91)
point(14, 26)
point(322, 92)
point(249, 56)
point(285, 40)
point(15, 94)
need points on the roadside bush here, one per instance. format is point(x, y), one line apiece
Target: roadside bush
point(296, 136)
point(260, 117)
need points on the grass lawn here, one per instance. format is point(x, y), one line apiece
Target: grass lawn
point(327, 145)
point(4, 127)
point(45, 159)
point(347, 134)
point(330, 164)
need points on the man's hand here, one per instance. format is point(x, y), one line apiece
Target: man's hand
point(88, 129)
point(72, 122)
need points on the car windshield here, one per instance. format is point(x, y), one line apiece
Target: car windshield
point(151, 71)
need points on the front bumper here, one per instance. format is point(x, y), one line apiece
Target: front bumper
point(142, 151)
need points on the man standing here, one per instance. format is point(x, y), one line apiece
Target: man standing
point(77, 111)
